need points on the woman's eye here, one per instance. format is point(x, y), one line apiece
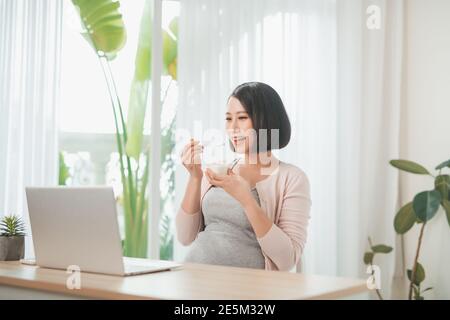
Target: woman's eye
point(227, 119)
point(242, 118)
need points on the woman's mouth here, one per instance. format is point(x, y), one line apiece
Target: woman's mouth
point(237, 140)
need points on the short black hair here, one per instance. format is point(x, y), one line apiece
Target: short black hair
point(266, 110)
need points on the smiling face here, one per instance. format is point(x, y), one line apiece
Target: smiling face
point(239, 126)
point(256, 120)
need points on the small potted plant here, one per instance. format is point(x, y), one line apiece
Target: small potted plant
point(12, 238)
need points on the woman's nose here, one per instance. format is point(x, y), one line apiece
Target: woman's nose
point(234, 125)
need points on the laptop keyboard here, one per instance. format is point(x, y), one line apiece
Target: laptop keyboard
point(136, 265)
point(134, 268)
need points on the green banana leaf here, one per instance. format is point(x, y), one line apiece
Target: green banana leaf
point(139, 87)
point(104, 27)
point(142, 76)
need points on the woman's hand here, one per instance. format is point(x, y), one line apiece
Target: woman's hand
point(190, 157)
point(240, 189)
point(233, 184)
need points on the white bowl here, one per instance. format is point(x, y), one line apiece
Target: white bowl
point(217, 168)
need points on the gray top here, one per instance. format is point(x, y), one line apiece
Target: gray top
point(228, 238)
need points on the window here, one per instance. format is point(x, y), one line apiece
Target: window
point(87, 141)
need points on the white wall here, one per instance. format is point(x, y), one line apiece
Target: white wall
point(426, 127)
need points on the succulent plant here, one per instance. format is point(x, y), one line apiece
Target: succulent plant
point(12, 226)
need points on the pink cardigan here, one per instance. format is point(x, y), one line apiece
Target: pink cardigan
point(285, 197)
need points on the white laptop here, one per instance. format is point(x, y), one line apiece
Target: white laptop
point(78, 226)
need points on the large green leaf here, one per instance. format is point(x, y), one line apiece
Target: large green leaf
point(409, 166)
point(419, 276)
point(140, 85)
point(442, 184)
point(426, 204)
point(103, 24)
point(443, 165)
point(405, 219)
point(142, 76)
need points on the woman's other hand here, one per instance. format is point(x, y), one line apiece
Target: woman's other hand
point(233, 184)
point(190, 157)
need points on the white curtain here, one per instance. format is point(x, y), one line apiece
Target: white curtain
point(291, 46)
point(30, 41)
point(369, 95)
point(341, 84)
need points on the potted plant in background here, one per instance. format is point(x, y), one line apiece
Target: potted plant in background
point(420, 211)
point(12, 238)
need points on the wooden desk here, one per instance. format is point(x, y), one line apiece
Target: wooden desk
point(191, 281)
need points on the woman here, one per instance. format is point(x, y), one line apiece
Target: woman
point(257, 215)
